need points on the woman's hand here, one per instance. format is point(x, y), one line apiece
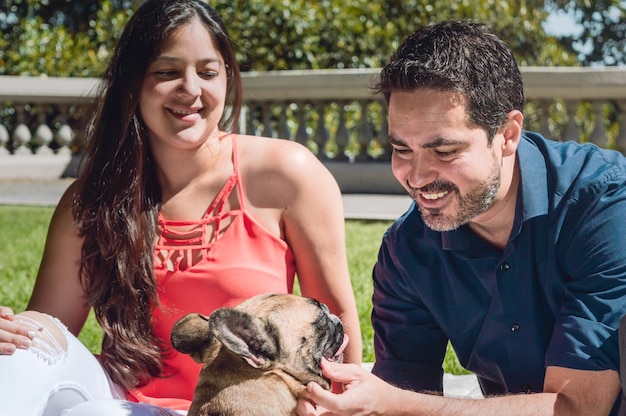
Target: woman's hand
point(12, 334)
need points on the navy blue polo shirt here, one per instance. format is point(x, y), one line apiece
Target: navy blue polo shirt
point(553, 297)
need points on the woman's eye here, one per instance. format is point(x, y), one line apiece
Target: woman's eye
point(165, 74)
point(208, 74)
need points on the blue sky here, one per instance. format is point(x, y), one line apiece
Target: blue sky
point(561, 23)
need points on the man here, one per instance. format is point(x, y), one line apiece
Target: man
point(514, 249)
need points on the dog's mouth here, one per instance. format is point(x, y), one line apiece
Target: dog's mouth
point(337, 357)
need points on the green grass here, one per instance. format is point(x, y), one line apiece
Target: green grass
point(22, 237)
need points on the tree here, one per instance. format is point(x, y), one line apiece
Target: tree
point(76, 37)
point(60, 37)
point(602, 38)
point(300, 34)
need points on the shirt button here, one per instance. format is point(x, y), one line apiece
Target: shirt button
point(527, 388)
point(515, 327)
point(505, 267)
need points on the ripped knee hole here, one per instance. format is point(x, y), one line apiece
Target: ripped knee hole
point(49, 336)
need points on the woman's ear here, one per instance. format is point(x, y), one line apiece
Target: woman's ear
point(512, 132)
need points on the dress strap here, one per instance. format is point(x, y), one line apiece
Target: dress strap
point(240, 192)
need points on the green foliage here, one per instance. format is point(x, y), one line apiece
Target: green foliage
point(36, 46)
point(298, 34)
point(602, 39)
point(76, 37)
point(23, 231)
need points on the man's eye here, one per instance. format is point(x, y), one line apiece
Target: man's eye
point(400, 150)
point(445, 153)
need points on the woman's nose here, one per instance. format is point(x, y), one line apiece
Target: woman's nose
point(190, 84)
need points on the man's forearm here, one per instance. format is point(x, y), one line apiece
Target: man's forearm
point(409, 403)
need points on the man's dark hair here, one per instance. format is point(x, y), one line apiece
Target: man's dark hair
point(459, 56)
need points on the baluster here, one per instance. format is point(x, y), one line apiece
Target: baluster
point(543, 111)
point(21, 135)
point(598, 135)
point(321, 132)
point(571, 130)
point(250, 119)
point(383, 140)
point(283, 126)
point(4, 139)
point(43, 135)
point(620, 140)
point(266, 110)
point(243, 119)
point(342, 137)
point(64, 136)
point(364, 136)
point(302, 135)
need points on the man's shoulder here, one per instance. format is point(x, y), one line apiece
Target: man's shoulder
point(572, 163)
point(558, 152)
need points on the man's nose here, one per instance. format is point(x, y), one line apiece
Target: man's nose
point(421, 173)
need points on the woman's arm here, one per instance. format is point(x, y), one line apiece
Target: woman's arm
point(309, 208)
point(58, 291)
point(315, 229)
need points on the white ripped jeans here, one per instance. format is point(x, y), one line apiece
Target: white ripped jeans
point(56, 376)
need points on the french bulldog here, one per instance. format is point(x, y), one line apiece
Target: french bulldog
point(259, 356)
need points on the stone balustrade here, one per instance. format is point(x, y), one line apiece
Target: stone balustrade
point(333, 112)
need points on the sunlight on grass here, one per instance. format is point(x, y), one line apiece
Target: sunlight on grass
point(362, 242)
point(22, 237)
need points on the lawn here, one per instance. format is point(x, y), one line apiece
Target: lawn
point(22, 237)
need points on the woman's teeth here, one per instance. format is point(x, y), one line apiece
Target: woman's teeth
point(184, 112)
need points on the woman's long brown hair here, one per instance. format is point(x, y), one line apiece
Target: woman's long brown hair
point(118, 197)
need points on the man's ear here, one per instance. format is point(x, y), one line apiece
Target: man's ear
point(251, 338)
point(512, 132)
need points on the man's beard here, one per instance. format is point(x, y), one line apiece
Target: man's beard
point(477, 200)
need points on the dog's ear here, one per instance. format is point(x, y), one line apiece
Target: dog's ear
point(191, 335)
point(246, 335)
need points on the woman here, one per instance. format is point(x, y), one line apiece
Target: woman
point(172, 213)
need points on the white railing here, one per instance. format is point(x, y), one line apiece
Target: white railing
point(333, 112)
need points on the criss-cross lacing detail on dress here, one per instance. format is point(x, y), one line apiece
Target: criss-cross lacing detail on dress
point(182, 244)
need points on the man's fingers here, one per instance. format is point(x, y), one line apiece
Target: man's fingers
point(306, 408)
point(319, 396)
point(341, 373)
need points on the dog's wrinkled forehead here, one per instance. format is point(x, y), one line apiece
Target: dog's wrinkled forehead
point(288, 311)
point(263, 305)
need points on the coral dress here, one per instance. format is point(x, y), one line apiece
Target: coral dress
point(199, 270)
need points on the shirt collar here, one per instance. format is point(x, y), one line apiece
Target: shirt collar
point(534, 177)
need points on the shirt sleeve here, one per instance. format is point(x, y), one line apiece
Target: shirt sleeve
point(408, 343)
point(593, 248)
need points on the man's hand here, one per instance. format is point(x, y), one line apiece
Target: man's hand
point(567, 392)
point(364, 393)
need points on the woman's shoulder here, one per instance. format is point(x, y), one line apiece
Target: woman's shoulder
point(289, 166)
point(271, 155)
